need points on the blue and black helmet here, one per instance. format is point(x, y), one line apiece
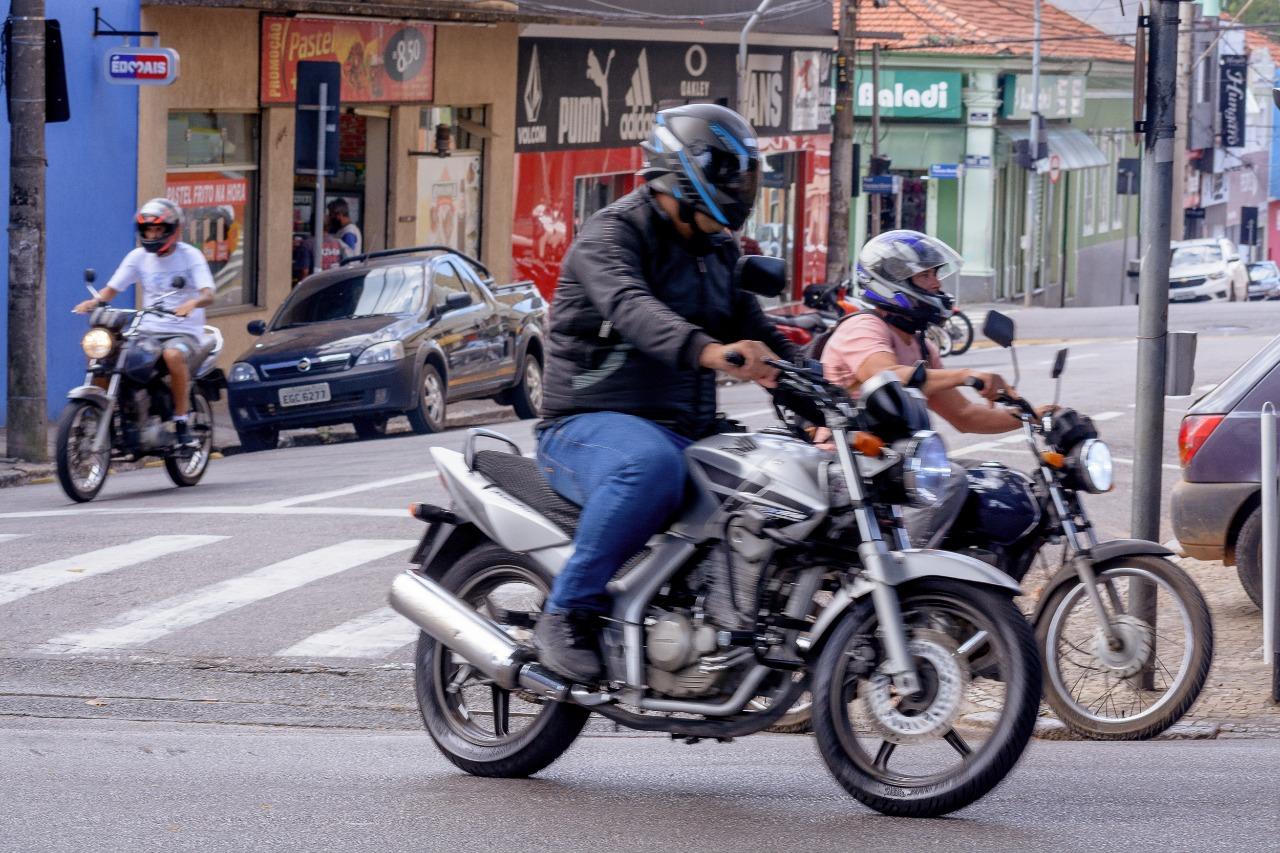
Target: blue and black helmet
point(888, 263)
point(708, 158)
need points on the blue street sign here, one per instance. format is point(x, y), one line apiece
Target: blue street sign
point(880, 184)
point(946, 171)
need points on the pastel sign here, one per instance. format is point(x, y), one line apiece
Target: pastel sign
point(142, 67)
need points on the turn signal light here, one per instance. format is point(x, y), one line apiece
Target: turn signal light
point(1053, 459)
point(867, 444)
point(1192, 435)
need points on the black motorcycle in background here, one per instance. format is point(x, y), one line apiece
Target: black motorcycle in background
point(132, 417)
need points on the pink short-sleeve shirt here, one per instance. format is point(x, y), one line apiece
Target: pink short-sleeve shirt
point(858, 338)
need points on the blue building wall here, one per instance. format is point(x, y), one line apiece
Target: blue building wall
point(91, 186)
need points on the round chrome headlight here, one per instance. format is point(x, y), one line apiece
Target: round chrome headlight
point(97, 343)
point(925, 469)
point(1091, 462)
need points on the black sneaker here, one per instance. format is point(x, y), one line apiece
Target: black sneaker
point(569, 644)
point(185, 442)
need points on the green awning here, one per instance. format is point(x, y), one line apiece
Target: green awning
point(915, 147)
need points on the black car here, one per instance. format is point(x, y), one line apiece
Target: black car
point(398, 332)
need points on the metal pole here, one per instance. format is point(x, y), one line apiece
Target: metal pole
point(876, 199)
point(322, 117)
point(1124, 244)
point(1153, 312)
point(27, 409)
point(744, 100)
point(1032, 254)
point(843, 169)
point(1267, 481)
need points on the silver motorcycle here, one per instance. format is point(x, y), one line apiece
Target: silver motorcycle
point(787, 571)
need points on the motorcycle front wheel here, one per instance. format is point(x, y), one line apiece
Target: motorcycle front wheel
point(81, 472)
point(481, 728)
point(1138, 686)
point(948, 745)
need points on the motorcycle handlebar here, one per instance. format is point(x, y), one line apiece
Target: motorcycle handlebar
point(735, 358)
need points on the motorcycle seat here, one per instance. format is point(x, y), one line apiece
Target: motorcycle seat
point(521, 478)
point(809, 322)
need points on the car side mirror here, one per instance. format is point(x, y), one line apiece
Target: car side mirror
point(999, 329)
point(256, 327)
point(1275, 96)
point(1060, 363)
point(90, 276)
point(761, 275)
point(457, 300)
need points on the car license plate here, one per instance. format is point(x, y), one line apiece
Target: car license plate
point(302, 395)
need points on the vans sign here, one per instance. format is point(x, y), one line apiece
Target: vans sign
point(137, 67)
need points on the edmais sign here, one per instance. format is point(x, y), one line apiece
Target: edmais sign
point(911, 94)
point(141, 67)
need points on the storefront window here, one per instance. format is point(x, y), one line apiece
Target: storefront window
point(450, 187)
point(595, 192)
point(212, 174)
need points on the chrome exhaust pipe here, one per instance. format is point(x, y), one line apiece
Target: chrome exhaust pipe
point(454, 624)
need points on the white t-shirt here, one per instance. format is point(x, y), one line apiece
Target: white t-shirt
point(155, 274)
point(349, 236)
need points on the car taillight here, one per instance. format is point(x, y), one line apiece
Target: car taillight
point(1195, 430)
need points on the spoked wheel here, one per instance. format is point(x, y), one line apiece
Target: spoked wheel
point(1143, 682)
point(797, 720)
point(960, 330)
point(187, 469)
point(941, 339)
point(485, 730)
point(81, 472)
point(928, 753)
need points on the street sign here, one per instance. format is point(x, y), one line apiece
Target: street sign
point(152, 66)
point(1128, 176)
point(1055, 168)
point(944, 171)
point(881, 184)
point(977, 161)
point(306, 138)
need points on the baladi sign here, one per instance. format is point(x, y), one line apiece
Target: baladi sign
point(911, 94)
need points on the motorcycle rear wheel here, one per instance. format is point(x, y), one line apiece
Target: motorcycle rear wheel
point(481, 740)
point(81, 473)
point(950, 625)
point(187, 470)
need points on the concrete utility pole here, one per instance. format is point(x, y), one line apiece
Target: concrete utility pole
point(1153, 284)
point(842, 165)
point(27, 412)
point(1032, 254)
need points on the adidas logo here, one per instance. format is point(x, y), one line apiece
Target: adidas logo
point(638, 119)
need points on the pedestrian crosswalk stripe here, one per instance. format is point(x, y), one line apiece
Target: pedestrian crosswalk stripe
point(7, 537)
point(369, 636)
point(1106, 416)
point(24, 582)
point(143, 624)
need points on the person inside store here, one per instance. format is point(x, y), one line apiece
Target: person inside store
point(175, 276)
point(343, 229)
point(646, 300)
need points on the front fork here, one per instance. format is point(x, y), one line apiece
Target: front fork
point(103, 436)
point(1081, 543)
point(875, 556)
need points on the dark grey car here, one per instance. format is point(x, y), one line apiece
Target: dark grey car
point(1216, 514)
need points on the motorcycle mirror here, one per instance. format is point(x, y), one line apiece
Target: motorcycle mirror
point(999, 329)
point(90, 276)
point(1060, 363)
point(918, 376)
point(761, 275)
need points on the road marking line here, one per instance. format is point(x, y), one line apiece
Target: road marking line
point(351, 490)
point(1122, 460)
point(212, 510)
point(1011, 439)
point(1107, 416)
point(978, 448)
point(24, 582)
point(372, 635)
point(8, 537)
point(143, 624)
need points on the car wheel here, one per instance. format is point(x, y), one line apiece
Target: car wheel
point(428, 416)
point(1249, 556)
point(253, 440)
point(526, 398)
point(374, 426)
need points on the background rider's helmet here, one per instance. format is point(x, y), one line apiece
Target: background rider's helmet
point(885, 267)
point(708, 158)
point(166, 214)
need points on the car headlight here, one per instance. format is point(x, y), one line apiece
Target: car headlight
point(382, 353)
point(1091, 463)
point(1218, 274)
point(97, 343)
point(242, 371)
point(925, 469)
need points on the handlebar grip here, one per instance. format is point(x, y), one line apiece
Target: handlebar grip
point(735, 358)
point(975, 383)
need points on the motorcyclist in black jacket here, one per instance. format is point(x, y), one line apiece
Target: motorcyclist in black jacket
point(645, 310)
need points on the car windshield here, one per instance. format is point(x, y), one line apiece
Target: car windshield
point(1185, 256)
point(369, 293)
point(1262, 271)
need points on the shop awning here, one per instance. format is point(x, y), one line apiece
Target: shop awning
point(917, 147)
point(1074, 147)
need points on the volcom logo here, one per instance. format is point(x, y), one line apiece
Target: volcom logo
point(635, 123)
point(536, 134)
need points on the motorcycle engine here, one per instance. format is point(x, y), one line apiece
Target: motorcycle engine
point(676, 647)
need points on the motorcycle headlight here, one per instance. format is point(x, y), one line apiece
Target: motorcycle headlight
point(925, 469)
point(382, 353)
point(242, 371)
point(1091, 463)
point(97, 343)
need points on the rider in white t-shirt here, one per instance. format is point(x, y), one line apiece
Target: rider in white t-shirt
point(175, 276)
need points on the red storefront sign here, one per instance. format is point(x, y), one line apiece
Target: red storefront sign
point(382, 61)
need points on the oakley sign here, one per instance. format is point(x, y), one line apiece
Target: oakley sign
point(137, 67)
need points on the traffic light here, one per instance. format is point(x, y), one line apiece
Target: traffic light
point(1022, 153)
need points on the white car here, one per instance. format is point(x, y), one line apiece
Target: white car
point(1204, 270)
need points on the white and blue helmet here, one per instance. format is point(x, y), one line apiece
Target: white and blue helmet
point(886, 266)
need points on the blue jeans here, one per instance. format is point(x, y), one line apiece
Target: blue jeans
point(628, 475)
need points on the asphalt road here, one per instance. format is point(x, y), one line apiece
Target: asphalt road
point(73, 787)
